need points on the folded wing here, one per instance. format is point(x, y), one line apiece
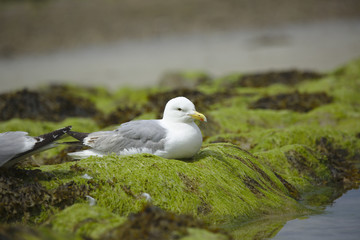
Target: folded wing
point(131, 137)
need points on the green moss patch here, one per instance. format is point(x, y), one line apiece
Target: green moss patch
point(84, 221)
point(23, 232)
point(222, 182)
point(154, 223)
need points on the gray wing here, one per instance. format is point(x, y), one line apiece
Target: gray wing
point(131, 135)
point(14, 143)
point(15, 146)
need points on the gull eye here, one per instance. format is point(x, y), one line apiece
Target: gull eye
point(179, 109)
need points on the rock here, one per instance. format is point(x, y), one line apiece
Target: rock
point(254, 164)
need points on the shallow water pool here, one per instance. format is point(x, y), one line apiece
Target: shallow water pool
point(341, 220)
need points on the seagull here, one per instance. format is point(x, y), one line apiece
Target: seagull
point(175, 136)
point(15, 146)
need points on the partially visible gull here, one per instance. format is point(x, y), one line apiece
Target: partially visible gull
point(174, 136)
point(15, 146)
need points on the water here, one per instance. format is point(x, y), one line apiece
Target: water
point(339, 221)
point(319, 46)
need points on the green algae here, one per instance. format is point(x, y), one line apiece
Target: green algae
point(23, 232)
point(289, 156)
point(235, 115)
point(154, 223)
point(222, 182)
point(296, 152)
point(195, 234)
point(82, 220)
point(297, 165)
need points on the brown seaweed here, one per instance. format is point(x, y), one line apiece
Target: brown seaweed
point(265, 79)
point(22, 196)
point(44, 105)
point(296, 101)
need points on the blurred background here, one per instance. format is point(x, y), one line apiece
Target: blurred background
point(135, 42)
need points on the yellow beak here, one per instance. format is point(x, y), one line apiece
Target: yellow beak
point(198, 116)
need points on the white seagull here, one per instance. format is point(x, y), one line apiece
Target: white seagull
point(174, 136)
point(15, 146)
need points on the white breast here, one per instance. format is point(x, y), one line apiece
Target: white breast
point(183, 140)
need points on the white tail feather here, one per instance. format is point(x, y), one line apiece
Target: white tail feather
point(84, 154)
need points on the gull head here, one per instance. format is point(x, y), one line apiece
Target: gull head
point(181, 109)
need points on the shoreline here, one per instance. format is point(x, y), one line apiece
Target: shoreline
point(319, 46)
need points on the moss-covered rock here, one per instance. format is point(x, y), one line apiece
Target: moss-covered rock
point(84, 220)
point(154, 223)
point(23, 232)
point(222, 182)
point(257, 168)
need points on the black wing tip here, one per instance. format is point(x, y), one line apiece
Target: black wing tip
point(64, 129)
point(68, 128)
point(78, 135)
point(42, 142)
point(54, 135)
